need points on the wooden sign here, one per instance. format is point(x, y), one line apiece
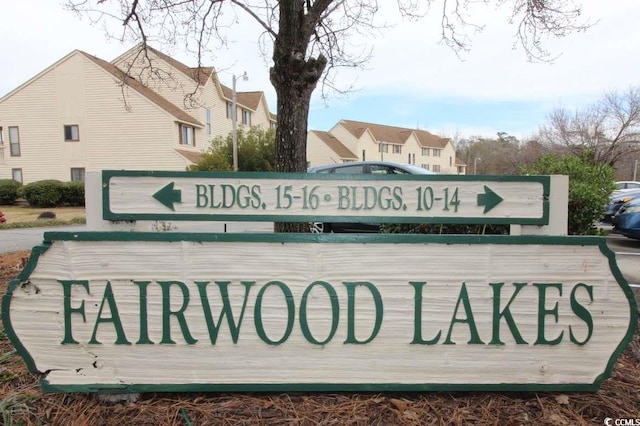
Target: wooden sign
point(137, 312)
point(139, 195)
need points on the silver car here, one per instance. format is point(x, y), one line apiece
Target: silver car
point(361, 167)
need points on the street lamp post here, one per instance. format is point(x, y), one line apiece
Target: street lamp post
point(234, 119)
point(475, 165)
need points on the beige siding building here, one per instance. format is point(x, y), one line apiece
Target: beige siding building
point(85, 114)
point(355, 140)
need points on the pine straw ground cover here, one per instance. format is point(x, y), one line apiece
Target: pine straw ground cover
point(21, 401)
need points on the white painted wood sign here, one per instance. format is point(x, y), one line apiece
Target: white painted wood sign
point(146, 195)
point(134, 312)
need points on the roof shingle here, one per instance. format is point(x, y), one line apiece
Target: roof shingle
point(337, 146)
point(143, 90)
point(394, 135)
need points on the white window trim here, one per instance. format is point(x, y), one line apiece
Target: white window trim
point(71, 127)
point(189, 136)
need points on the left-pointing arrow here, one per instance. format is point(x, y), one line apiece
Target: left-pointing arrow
point(167, 196)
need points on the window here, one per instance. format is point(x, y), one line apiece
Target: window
point(383, 147)
point(357, 169)
point(437, 152)
point(425, 166)
point(378, 169)
point(187, 135)
point(71, 133)
point(397, 149)
point(1, 136)
point(16, 174)
point(208, 114)
point(274, 125)
point(77, 174)
point(246, 117)
point(450, 161)
point(436, 168)
point(425, 152)
point(14, 141)
point(229, 110)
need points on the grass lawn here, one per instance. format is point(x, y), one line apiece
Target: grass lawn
point(24, 216)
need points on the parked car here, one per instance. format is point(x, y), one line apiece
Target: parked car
point(616, 200)
point(371, 167)
point(626, 185)
point(361, 167)
point(627, 220)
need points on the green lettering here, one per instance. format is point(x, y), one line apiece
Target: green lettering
point(343, 198)
point(473, 330)
point(543, 312)
point(179, 314)
point(201, 196)
point(582, 313)
point(225, 311)
point(121, 339)
point(506, 314)
point(335, 313)
point(68, 310)
point(144, 325)
point(351, 310)
point(417, 318)
point(291, 312)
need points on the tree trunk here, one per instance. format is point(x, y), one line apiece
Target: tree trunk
point(294, 77)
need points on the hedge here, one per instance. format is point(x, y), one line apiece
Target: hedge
point(44, 193)
point(73, 194)
point(8, 191)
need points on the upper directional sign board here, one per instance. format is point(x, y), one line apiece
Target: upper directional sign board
point(293, 197)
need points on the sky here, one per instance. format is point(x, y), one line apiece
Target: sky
point(410, 81)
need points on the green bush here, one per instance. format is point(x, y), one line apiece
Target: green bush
point(73, 194)
point(436, 228)
point(589, 187)
point(8, 191)
point(44, 193)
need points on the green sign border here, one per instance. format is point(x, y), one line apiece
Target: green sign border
point(50, 237)
point(107, 214)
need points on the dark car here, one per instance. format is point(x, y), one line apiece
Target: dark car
point(616, 201)
point(627, 220)
point(362, 167)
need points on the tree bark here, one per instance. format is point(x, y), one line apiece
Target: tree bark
point(294, 77)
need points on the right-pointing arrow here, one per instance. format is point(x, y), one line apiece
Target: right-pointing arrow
point(489, 199)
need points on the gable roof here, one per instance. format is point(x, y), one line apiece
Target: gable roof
point(194, 157)
point(393, 135)
point(202, 75)
point(335, 145)
point(143, 90)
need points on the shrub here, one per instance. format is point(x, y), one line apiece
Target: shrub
point(589, 187)
point(434, 228)
point(8, 191)
point(44, 193)
point(47, 215)
point(73, 194)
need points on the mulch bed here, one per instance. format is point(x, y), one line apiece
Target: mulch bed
point(22, 402)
